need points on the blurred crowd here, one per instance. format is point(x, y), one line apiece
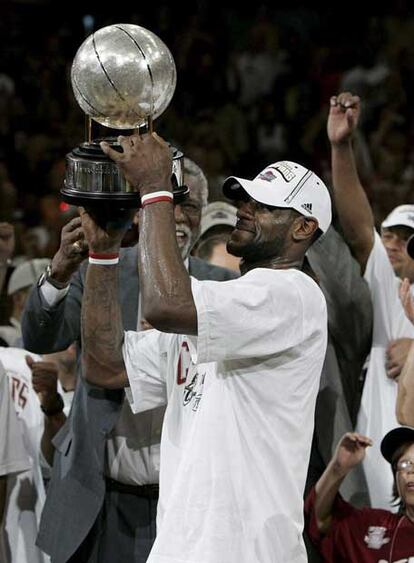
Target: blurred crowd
point(251, 83)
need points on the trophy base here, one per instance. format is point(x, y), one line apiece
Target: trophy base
point(121, 200)
point(94, 180)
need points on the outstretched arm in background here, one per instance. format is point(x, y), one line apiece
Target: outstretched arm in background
point(349, 452)
point(52, 326)
point(354, 210)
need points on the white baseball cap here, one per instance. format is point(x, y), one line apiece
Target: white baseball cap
point(286, 184)
point(401, 215)
point(218, 213)
point(26, 274)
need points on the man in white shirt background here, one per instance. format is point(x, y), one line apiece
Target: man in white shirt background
point(384, 262)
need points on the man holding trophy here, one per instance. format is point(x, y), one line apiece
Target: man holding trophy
point(235, 364)
point(102, 498)
point(237, 431)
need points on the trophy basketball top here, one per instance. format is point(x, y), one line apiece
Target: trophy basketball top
point(123, 75)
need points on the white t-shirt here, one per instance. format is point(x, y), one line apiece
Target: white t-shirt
point(238, 427)
point(25, 490)
point(377, 412)
point(13, 456)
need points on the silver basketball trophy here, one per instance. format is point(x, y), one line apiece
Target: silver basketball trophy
point(123, 77)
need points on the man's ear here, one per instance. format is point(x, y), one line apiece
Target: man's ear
point(304, 228)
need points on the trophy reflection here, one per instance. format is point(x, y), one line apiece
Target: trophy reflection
point(123, 77)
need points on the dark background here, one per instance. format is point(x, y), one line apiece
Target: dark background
point(253, 87)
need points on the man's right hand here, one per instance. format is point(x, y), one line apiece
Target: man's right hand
point(350, 451)
point(72, 251)
point(343, 117)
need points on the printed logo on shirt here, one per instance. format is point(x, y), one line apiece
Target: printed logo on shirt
point(184, 362)
point(19, 391)
point(375, 537)
point(194, 391)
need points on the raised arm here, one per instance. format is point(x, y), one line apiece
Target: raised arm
point(349, 452)
point(354, 210)
point(167, 299)
point(102, 330)
point(51, 326)
point(405, 397)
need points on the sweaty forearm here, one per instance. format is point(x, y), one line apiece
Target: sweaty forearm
point(167, 299)
point(405, 398)
point(326, 490)
point(354, 210)
point(102, 330)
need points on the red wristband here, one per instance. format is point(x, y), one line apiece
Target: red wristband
point(104, 255)
point(155, 197)
point(104, 258)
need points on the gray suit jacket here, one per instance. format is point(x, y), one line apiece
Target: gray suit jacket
point(77, 487)
point(349, 341)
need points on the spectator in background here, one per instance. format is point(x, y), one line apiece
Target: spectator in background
point(217, 222)
point(20, 282)
point(381, 260)
point(13, 455)
point(345, 534)
point(30, 395)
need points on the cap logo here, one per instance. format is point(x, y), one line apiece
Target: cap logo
point(284, 170)
point(307, 207)
point(411, 217)
point(267, 175)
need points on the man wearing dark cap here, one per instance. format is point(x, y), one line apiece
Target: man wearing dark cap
point(343, 533)
point(238, 426)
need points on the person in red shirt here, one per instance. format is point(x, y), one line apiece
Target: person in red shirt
point(345, 534)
